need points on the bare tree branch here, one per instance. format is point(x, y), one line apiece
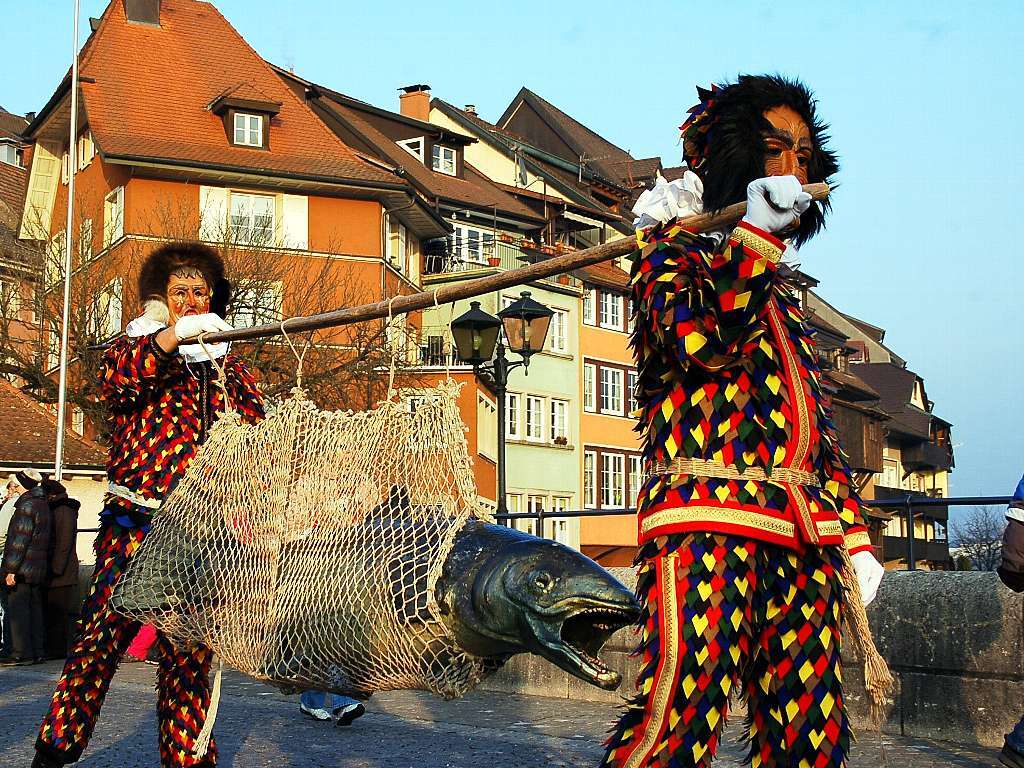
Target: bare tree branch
point(979, 537)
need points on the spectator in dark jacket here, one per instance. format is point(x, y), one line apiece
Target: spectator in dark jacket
point(11, 493)
point(24, 569)
point(63, 575)
point(1011, 571)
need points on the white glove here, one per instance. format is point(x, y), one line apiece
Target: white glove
point(190, 326)
point(869, 574)
point(775, 202)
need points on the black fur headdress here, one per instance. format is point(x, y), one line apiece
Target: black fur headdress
point(167, 259)
point(723, 141)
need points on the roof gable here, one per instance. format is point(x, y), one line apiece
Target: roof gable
point(30, 434)
point(158, 106)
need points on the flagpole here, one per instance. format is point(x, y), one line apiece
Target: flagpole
point(62, 382)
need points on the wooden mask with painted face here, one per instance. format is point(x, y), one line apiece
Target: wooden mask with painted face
point(788, 145)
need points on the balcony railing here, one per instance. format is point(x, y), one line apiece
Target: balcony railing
point(926, 456)
point(467, 256)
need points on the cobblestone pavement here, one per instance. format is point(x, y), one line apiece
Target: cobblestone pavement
point(257, 726)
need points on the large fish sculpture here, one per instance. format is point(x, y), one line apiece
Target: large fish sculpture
point(322, 622)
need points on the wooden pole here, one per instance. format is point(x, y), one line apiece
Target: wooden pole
point(400, 305)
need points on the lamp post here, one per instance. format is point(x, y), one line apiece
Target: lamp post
point(477, 338)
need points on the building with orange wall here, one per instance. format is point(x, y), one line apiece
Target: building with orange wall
point(611, 466)
point(201, 139)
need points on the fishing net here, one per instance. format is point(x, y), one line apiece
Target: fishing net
point(305, 550)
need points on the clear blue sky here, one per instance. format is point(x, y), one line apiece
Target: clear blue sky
point(923, 98)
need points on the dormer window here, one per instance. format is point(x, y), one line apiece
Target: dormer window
point(443, 159)
point(413, 146)
point(247, 114)
point(248, 129)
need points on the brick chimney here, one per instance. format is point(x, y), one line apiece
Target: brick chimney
point(143, 11)
point(415, 102)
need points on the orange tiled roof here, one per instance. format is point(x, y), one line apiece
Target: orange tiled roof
point(13, 182)
point(605, 275)
point(30, 433)
point(147, 92)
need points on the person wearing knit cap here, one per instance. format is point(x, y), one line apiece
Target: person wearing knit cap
point(161, 396)
point(23, 570)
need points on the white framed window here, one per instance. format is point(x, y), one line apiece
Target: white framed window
point(631, 379)
point(104, 316)
point(589, 387)
point(611, 311)
point(85, 242)
point(9, 154)
point(589, 479)
point(470, 244)
point(512, 405)
point(559, 528)
point(248, 129)
point(558, 331)
point(113, 217)
point(396, 244)
point(78, 420)
point(85, 150)
point(890, 473)
point(613, 480)
point(588, 306)
point(413, 146)
point(559, 421)
point(636, 474)
point(534, 417)
point(53, 346)
point(55, 258)
point(443, 159)
point(257, 302)
point(252, 219)
point(611, 391)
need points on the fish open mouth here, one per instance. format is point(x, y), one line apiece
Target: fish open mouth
point(576, 642)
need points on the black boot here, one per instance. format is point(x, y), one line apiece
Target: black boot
point(43, 760)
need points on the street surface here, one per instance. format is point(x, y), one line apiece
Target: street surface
point(257, 727)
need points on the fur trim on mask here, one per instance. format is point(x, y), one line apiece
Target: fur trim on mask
point(725, 147)
point(157, 311)
point(164, 261)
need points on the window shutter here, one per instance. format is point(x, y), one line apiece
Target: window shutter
point(295, 222)
point(42, 189)
point(213, 213)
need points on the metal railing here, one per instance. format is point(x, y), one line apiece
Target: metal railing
point(466, 256)
point(906, 504)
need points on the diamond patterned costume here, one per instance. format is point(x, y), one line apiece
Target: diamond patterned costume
point(747, 500)
point(160, 411)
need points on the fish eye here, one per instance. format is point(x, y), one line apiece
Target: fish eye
point(542, 581)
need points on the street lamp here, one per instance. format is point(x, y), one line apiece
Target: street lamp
point(525, 322)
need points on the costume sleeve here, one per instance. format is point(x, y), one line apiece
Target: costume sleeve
point(245, 394)
point(837, 482)
point(696, 304)
point(130, 367)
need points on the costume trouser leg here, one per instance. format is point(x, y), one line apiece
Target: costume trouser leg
point(93, 659)
point(721, 610)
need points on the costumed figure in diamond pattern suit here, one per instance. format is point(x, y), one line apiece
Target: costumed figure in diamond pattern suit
point(747, 500)
point(161, 399)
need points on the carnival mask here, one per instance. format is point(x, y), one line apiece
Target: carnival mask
point(187, 294)
point(787, 144)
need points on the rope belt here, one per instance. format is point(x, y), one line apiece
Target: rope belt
point(712, 468)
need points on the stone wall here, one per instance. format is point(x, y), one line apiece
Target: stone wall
point(955, 642)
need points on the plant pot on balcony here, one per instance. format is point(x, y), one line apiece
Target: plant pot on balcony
point(563, 279)
point(527, 243)
point(548, 249)
point(505, 237)
point(493, 261)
